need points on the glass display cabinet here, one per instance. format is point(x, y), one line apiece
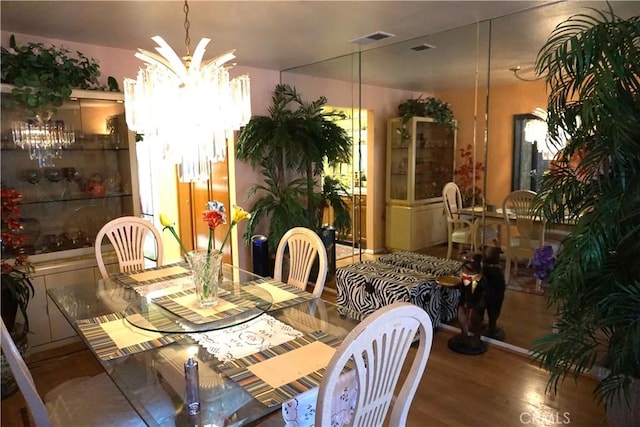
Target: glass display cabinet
point(73, 169)
point(76, 170)
point(420, 161)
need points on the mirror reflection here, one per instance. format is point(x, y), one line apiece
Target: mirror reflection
point(485, 72)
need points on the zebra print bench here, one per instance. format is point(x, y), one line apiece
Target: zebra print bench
point(369, 285)
point(424, 263)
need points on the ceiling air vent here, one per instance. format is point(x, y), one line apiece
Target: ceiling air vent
point(373, 37)
point(422, 47)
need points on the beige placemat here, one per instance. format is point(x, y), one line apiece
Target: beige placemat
point(167, 287)
point(191, 302)
point(155, 274)
point(278, 294)
point(312, 360)
point(110, 336)
point(184, 304)
point(125, 335)
point(283, 369)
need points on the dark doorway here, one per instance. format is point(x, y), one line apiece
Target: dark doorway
point(529, 164)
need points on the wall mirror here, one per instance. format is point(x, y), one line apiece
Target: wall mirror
point(531, 156)
point(468, 67)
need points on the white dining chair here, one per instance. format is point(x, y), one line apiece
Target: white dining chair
point(525, 231)
point(378, 347)
point(304, 246)
point(83, 401)
point(128, 235)
point(461, 230)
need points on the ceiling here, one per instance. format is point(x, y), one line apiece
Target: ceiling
point(280, 35)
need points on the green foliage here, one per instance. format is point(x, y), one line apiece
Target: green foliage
point(19, 286)
point(290, 145)
point(45, 76)
point(281, 205)
point(427, 107)
point(593, 73)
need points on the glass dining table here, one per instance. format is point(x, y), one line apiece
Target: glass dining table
point(136, 327)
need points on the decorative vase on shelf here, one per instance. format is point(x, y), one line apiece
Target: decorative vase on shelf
point(207, 275)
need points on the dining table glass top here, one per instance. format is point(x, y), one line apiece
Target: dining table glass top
point(179, 312)
point(150, 372)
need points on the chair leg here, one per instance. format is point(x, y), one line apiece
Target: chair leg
point(449, 249)
point(507, 268)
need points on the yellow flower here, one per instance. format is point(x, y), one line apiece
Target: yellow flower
point(165, 221)
point(239, 214)
point(168, 224)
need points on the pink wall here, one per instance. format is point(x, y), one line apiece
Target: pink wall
point(121, 63)
point(383, 102)
point(505, 101)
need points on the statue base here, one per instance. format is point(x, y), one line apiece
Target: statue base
point(499, 333)
point(466, 345)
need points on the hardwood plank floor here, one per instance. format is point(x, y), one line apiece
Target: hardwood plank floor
point(497, 388)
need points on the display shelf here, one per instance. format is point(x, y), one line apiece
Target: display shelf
point(69, 193)
point(420, 161)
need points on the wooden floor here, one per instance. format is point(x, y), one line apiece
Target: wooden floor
point(497, 388)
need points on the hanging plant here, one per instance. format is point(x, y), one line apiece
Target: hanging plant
point(43, 77)
point(427, 107)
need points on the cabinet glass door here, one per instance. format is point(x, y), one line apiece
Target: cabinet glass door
point(398, 163)
point(69, 191)
point(434, 159)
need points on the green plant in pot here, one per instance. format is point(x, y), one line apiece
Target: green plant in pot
point(432, 107)
point(593, 73)
point(290, 145)
point(43, 77)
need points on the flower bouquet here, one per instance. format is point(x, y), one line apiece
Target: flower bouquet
point(543, 262)
point(206, 264)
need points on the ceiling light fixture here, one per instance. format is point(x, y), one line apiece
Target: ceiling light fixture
point(515, 71)
point(187, 106)
point(43, 139)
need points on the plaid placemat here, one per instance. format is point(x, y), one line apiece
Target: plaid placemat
point(111, 336)
point(184, 304)
point(283, 294)
point(149, 276)
point(239, 370)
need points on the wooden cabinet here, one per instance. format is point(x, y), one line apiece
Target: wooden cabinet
point(49, 328)
point(420, 160)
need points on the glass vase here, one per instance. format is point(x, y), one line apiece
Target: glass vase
point(207, 274)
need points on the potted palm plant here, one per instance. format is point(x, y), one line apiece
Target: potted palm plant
point(290, 145)
point(592, 71)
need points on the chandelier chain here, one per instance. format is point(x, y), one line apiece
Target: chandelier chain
point(187, 25)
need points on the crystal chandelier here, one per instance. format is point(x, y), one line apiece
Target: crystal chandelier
point(44, 140)
point(187, 106)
